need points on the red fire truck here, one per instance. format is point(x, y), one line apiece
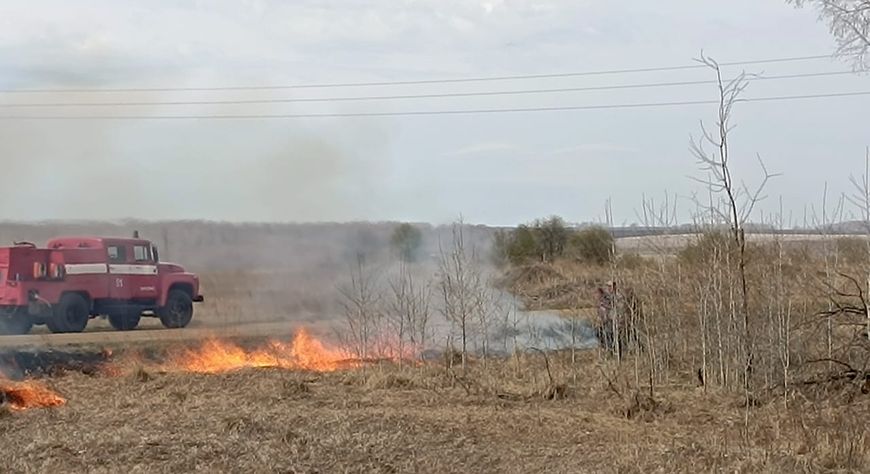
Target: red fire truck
point(74, 279)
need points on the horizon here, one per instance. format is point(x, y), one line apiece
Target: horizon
point(750, 226)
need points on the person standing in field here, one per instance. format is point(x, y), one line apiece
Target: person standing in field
point(617, 311)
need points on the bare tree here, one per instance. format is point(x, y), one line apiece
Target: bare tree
point(739, 199)
point(361, 303)
point(409, 310)
point(462, 287)
point(861, 200)
point(849, 22)
point(831, 257)
point(487, 310)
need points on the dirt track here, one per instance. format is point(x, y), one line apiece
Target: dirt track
point(108, 337)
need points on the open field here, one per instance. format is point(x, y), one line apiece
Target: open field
point(382, 419)
point(131, 406)
point(669, 244)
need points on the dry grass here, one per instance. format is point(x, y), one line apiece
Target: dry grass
point(669, 244)
point(424, 419)
point(510, 416)
point(557, 286)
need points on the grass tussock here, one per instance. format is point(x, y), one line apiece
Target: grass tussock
point(296, 388)
point(560, 285)
point(142, 375)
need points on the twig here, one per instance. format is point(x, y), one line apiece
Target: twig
point(835, 361)
point(610, 383)
point(547, 363)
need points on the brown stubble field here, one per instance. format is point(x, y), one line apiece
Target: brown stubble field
point(508, 417)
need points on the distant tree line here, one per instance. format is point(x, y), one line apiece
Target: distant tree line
point(546, 240)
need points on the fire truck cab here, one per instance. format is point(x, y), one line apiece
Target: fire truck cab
point(74, 279)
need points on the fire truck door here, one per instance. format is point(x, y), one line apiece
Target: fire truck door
point(119, 284)
point(142, 273)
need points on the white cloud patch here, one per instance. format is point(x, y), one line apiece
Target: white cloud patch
point(605, 148)
point(485, 148)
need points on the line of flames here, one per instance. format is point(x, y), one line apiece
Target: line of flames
point(303, 352)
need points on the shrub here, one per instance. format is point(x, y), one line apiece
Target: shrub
point(552, 236)
point(517, 246)
point(592, 245)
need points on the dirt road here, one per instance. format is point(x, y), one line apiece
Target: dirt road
point(100, 336)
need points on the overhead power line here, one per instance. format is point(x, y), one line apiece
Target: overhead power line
point(407, 96)
point(426, 112)
point(417, 82)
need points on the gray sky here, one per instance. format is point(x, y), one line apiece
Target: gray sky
point(495, 168)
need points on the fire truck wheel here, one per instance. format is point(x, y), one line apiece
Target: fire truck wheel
point(125, 321)
point(178, 310)
point(70, 314)
point(15, 323)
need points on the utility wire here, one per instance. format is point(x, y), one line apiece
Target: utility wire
point(409, 96)
point(430, 112)
point(416, 82)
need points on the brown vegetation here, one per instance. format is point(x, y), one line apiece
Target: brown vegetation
point(511, 417)
point(680, 404)
point(807, 303)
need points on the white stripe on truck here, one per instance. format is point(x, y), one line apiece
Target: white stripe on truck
point(115, 269)
point(85, 268)
point(133, 269)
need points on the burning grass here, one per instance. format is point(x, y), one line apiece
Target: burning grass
point(215, 356)
point(23, 395)
point(304, 352)
point(305, 406)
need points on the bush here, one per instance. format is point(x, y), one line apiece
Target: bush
point(551, 235)
point(544, 240)
point(592, 245)
point(517, 246)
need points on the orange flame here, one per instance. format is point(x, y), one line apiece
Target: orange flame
point(29, 394)
point(303, 352)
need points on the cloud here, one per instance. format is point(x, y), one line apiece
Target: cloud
point(595, 148)
point(485, 148)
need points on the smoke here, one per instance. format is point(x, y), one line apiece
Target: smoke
point(237, 171)
point(53, 171)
